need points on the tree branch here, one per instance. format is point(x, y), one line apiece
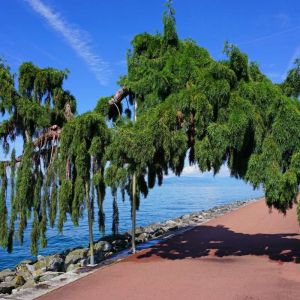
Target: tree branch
point(119, 96)
point(54, 132)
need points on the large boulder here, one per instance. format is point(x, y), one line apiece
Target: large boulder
point(103, 246)
point(73, 267)
point(29, 284)
point(56, 263)
point(6, 273)
point(75, 256)
point(119, 244)
point(25, 269)
point(100, 249)
point(9, 278)
point(142, 238)
point(111, 238)
point(171, 225)
point(47, 276)
point(18, 281)
point(6, 287)
point(53, 263)
point(127, 236)
point(40, 265)
point(159, 232)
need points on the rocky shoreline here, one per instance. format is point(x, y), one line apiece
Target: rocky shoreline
point(34, 274)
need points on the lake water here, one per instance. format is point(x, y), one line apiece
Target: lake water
point(176, 197)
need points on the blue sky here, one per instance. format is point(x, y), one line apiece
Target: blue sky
point(91, 37)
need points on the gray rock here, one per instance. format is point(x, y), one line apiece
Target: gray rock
point(171, 223)
point(40, 265)
point(84, 262)
point(41, 258)
point(26, 262)
point(53, 263)
point(6, 287)
point(149, 229)
point(159, 232)
point(30, 268)
point(28, 284)
point(56, 263)
point(98, 257)
point(47, 276)
point(75, 257)
point(141, 238)
point(128, 234)
point(6, 273)
point(22, 270)
point(18, 281)
point(119, 244)
point(72, 267)
point(9, 278)
point(139, 230)
point(185, 217)
point(102, 246)
point(152, 227)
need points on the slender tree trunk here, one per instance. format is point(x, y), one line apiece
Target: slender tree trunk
point(133, 213)
point(27, 136)
point(134, 185)
point(90, 220)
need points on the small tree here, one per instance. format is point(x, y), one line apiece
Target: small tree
point(82, 150)
point(33, 112)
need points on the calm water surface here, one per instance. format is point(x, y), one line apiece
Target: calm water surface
point(176, 197)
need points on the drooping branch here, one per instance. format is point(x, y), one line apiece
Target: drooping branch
point(52, 133)
point(119, 96)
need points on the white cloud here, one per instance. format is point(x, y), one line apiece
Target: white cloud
point(270, 36)
point(296, 54)
point(283, 19)
point(224, 172)
point(76, 38)
point(193, 171)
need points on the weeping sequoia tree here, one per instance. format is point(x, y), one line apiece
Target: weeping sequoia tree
point(186, 103)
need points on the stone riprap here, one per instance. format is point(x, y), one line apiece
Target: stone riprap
point(35, 274)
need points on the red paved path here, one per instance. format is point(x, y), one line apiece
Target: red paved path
point(246, 254)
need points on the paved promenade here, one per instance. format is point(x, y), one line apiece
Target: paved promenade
point(246, 254)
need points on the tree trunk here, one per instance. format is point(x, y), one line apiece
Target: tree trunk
point(27, 136)
point(134, 189)
point(133, 212)
point(90, 221)
point(119, 96)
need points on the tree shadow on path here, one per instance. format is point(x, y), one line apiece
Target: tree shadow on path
point(220, 241)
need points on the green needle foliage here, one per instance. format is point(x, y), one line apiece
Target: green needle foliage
point(82, 150)
point(29, 107)
point(189, 104)
point(214, 111)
